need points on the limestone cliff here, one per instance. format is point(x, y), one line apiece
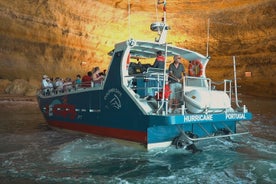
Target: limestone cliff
point(65, 38)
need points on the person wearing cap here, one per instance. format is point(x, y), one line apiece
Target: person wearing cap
point(159, 61)
point(46, 85)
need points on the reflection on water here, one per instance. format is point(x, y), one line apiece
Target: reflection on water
point(264, 117)
point(32, 153)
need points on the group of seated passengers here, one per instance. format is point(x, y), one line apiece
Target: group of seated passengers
point(93, 78)
point(50, 86)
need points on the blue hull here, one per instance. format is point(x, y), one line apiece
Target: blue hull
point(86, 112)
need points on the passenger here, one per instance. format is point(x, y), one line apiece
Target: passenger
point(46, 85)
point(176, 69)
point(67, 85)
point(51, 85)
point(58, 85)
point(131, 68)
point(159, 61)
point(103, 73)
point(96, 77)
point(78, 81)
point(86, 80)
point(140, 67)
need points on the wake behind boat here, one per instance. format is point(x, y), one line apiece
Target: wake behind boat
point(133, 101)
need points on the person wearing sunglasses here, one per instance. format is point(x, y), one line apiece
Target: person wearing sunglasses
point(176, 73)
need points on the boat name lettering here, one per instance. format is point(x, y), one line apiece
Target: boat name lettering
point(200, 117)
point(235, 116)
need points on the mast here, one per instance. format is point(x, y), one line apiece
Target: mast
point(161, 26)
point(208, 33)
point(235, 82)
point(164, 18)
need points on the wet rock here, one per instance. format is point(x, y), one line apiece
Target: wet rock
point(3, 85)
point(20, 87)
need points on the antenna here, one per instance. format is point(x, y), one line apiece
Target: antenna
point(157, 26)
point(129, 19)
point(164, 18)
point(208, 33)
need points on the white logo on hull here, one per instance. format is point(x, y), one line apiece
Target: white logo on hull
point(112, 98)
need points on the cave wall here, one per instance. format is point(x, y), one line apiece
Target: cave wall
point(66, 38)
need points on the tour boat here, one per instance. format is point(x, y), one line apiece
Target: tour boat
point(132, 102)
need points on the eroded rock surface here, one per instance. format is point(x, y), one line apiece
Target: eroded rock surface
point(56, 37)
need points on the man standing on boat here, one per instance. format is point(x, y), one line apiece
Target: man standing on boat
point(159, 61)
point(176, 69)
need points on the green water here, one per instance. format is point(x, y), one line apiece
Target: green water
point(30, 152)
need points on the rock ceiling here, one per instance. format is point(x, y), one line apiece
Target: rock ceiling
point(56, 36)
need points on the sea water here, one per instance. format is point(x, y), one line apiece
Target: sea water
point(30, 152)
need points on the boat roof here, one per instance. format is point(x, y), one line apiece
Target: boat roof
point(144, 49)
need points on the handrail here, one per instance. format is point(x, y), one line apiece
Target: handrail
point(66, 88)
point(235, 82)
point(155, 70)
point(201, 79)
point(210, 136)
point(215, 136)
point(164, 82)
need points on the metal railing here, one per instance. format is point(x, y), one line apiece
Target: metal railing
point(211, 135)
point(64, 89)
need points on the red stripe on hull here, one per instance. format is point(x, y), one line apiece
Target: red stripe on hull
point(129, 135)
